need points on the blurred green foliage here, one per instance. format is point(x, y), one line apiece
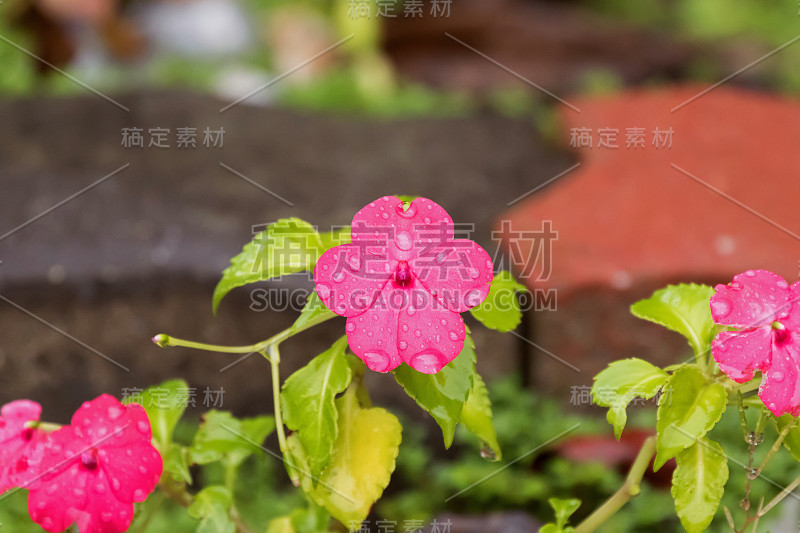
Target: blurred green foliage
point(423, 482)
point(760, 25)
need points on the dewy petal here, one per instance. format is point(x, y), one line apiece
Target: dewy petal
point(17, 413)
point(740, 353)
point(20, 447)
point(430, 336)
point(384, 227)
point(130, 461)
point(780, 385)
point(56, 504)
point(348, 279)
point(754, 298)
point(458, 273)
point(373, 335)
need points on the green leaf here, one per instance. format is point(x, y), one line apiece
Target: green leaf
point(335, 238)
point(221, 437)
point(500, 310)
point(616, 386)
point(362, 462)
point(698, 484)
point(682, 308)
point(312, 520)
point(476, 415)
point(792, 440)
point(287, 246)
point(312, 314)
point(687, 410)
point(442, 394)
point(165, 404)
point(564, 509)
point(211, 506)
point(176, 463)
point(307, 400)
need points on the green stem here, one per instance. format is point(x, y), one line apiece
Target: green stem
point(274, 357)
point(165, 340)
point(742, 416)
point(777, 444)
point(629, 489)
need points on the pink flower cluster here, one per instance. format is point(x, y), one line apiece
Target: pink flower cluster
point(89, 473)
point(765, 310)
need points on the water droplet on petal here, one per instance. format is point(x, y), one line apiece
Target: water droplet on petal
point(417, 333)
point(385, 216)
point(114, 412)
point(429, 362)
point(443, 321)
point(377, 360)
point(720, 307)
point(406, 213)
point(338, 277)
point(750, 274)
point(782, 284)
point(473, 272)
point(324, 290)
point(411, 310)
point(474, 297)
point(405, 327)
point(115, 484)
point(143, 427)
point(355, 263)
point(777, 376)
point(427, 220)
point(454, 336)
point(440, 257)
point(404, 240)
point(350, 327)
point(139, 495)
point(340, 309)
point(403, 345)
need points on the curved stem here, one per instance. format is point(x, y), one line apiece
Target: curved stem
point(629, 489)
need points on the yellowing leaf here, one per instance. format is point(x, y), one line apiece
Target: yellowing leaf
point(361, 464)
point(698, 484)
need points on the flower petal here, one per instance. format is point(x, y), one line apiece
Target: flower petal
point(373, 335)
point(56, 502)
point(384, 227)
point(132, 464)
point(754, 298)
point(458, 273)
point(348, 279)
point(780, 386)
point(16, 414)
point(740, 353)
point(430, 336)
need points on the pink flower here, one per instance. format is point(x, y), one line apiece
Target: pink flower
point(763, 306)
point(20, 445)
point(94, 470)
point(402, 284)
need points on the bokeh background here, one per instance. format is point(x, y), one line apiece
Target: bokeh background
point(315, 108)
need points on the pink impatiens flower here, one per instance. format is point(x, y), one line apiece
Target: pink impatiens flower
point(94, 470)
point(766, 311)
point(20, 443)
point(402, 284)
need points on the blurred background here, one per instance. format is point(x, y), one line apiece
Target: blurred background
point(143, 142)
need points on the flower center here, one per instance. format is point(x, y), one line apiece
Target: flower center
point(781, 333)
point(402, 274)
point(89, 459)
